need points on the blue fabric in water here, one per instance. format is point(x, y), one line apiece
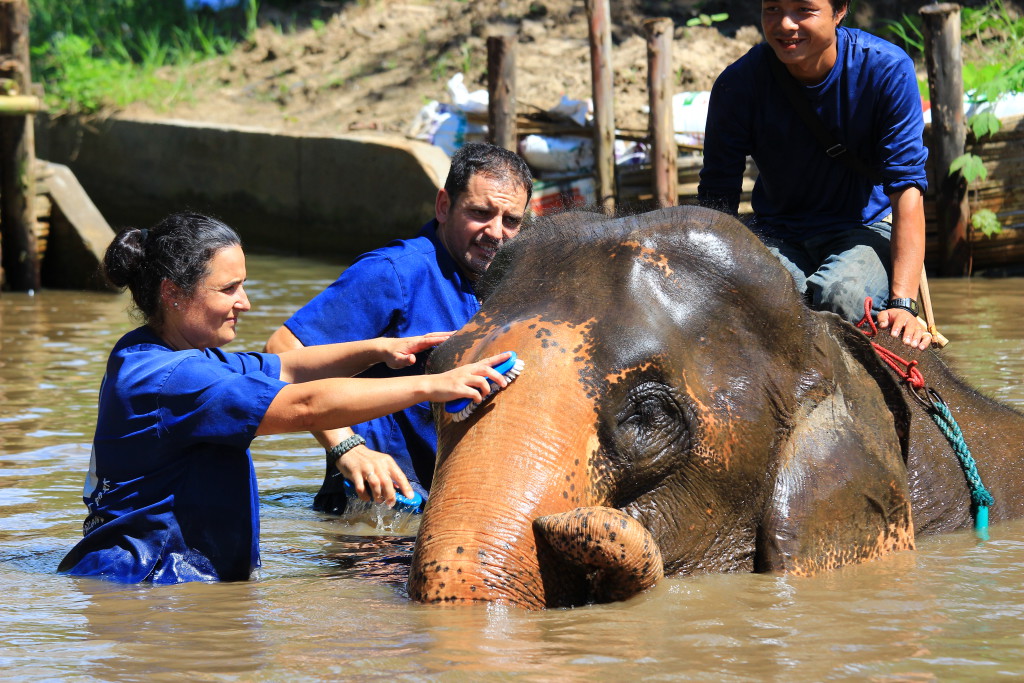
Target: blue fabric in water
point(171, 490)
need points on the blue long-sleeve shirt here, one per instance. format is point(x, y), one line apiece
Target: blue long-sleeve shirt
point(869, 102)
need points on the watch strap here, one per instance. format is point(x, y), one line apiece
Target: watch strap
point(906, 303)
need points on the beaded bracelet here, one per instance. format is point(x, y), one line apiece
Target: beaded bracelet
point(335, 452)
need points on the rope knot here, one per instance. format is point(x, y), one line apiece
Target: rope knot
point(905, 369)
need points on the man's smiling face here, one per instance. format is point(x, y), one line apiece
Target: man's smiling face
point(803, 35)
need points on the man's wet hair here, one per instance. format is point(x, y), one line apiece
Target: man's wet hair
point(489, 160)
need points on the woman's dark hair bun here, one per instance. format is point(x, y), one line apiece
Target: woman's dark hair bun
point(125, 257)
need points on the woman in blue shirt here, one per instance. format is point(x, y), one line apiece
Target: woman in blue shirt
point(171, 489)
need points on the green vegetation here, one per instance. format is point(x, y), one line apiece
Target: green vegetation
point(94, 53)
point(993, 53)
point(993, 47)
point(997, 39)
point(972, 168)
point(707, 19)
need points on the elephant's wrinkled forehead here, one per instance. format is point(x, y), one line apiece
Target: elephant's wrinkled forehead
point(579, 356)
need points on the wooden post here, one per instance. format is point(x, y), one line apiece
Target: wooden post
point(949, 132)
point(662, 128)
point(19, 258)
point(599, 20)
point(501, 91)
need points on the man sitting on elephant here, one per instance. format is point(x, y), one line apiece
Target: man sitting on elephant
point(845, 229)
point(411, 287)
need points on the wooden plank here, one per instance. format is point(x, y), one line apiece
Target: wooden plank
point(659, 85)
point(19, 258)
point(599, 23)
point(501, 91)
point(78, 236)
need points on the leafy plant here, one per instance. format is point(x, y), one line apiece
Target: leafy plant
point(972, 168)
point(91, 54)
point(707, 19)
point(439, 70)
point(992, 37)
point(984, 123)
point(467, 59)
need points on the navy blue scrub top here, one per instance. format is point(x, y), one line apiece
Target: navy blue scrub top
point(171, 489)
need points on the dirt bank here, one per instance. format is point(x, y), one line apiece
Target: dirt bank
point(372, 65)
point(346, 65)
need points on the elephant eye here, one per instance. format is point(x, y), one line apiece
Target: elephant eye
point(647, 438)
point(650, 414)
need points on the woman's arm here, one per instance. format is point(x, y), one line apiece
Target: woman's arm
point(330, 403)
point(308, 363)
point(374, 475)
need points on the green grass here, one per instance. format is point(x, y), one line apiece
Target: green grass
point(91, 54)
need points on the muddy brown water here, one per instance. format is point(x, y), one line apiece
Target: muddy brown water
point(329, 602)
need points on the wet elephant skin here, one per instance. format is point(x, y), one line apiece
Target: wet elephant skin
point(681, 411)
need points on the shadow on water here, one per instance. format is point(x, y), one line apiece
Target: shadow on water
point(383, 559)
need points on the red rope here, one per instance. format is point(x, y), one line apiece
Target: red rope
point(906, 369)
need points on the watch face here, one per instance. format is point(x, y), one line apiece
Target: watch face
point(908, 304)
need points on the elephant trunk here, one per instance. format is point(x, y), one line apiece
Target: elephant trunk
point(618, 553)
point(479, 544)
point(460, 566)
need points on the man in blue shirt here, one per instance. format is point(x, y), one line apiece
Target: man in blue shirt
point(411, 287)
point(842, 235)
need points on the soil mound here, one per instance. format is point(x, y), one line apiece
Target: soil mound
point(347, 66)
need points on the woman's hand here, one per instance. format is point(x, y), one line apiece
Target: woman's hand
point(374, 475)
point(467, 381)
point(401, 352)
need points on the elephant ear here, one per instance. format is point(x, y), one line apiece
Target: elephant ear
point(841, 493)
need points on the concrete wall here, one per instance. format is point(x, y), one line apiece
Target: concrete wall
point(324, 196)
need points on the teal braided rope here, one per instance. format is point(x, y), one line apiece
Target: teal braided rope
point(980, 496)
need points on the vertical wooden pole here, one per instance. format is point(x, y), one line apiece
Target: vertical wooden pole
point(949, 131)
point(501, 91)
point(19, 258)
point(659, 86)
point(599, 19)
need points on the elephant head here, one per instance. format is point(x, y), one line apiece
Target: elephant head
point(681, 411)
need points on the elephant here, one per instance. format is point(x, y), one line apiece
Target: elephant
point(683, 411)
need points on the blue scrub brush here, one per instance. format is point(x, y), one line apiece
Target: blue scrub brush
point(412, 505)
point(461, 408)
